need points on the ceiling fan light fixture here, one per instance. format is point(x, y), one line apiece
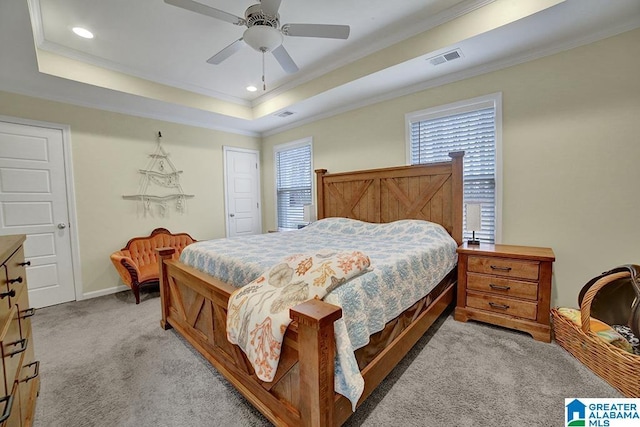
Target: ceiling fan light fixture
point(262, 38)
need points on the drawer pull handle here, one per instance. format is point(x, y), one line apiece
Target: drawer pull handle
point(22, 343)
point(500, 306)
point(12, 281)
point(7, 408)
point(499, 287)
point(27, 313)
point(11, 293)
point(36, 371)
point(497, 267)
point(24, 264)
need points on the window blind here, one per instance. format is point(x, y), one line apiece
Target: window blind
point(433, 139)
point(293, 185)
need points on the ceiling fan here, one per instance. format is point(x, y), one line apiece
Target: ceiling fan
point(264, 32)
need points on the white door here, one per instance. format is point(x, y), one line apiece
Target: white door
point(242, 192)
point(33, 201)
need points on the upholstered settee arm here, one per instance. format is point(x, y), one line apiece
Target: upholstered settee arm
point(126, 268)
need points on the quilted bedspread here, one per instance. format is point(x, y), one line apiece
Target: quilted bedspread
point(258, 313)
point(408, 259)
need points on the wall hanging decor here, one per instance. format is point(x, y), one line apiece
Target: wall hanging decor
point(160, 184)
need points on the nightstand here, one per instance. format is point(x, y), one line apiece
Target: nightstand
point(506, 285)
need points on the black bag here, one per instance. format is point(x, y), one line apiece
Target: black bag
point(617, 303)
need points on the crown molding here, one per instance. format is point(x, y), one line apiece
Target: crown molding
point(170, 118)
point(463, 75)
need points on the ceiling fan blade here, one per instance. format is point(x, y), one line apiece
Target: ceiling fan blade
point(226, 52)
point(270, 7)
point(285, 61)
point(316, 30)
point(207, 10)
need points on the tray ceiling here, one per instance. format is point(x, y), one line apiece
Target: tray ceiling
point(149, 58)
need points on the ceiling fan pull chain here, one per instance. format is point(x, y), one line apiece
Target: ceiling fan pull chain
point(264, 83)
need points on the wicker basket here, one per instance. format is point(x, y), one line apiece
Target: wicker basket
point(616, 366)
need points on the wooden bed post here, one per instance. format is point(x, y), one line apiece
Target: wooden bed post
point(164, 254)
point(320, 192)
point(316, 353)
point(457, 158)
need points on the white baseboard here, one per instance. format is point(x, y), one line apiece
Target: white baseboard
point(103, 292)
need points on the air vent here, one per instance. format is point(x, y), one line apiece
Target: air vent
point(284, 114)
point(445, 57)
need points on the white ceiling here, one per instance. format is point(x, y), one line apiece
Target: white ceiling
point(168, 45)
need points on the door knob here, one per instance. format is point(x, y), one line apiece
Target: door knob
point(62, 226)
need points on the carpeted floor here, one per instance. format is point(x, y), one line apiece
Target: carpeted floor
point(107, 362)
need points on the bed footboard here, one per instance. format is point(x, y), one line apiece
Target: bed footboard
point(302, 392)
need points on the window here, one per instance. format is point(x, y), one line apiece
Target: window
point(475, 127)
point(294, 180)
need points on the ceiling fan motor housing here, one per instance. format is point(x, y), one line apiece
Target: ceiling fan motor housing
point(254, 16)
point(263, 34)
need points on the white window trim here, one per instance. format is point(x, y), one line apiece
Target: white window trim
point(491, 100)
point(288, 146)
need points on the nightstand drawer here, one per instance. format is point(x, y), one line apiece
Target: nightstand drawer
point(504, 267)
point(502, 286)
point(496, 304)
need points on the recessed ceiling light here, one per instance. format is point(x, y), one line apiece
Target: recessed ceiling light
point(83, 32)
point(252, 88)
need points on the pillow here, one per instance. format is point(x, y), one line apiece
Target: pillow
point(605, 332)
point(258, 313)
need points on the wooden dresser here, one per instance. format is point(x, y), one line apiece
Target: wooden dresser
point(20, 382)
point(506, 285)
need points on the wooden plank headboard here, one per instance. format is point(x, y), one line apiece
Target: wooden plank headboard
point(431, 192)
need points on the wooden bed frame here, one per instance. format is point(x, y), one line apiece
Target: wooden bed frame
point(302, 393)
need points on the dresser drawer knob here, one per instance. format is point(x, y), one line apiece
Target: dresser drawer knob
point(499, 306)
point(11, 293)
point(499, 287)
point(24, 264)
point(22, 343)
point(36, 371)
point(17, 280)
point(497, 267)
point(27, 313)
point(7, 408)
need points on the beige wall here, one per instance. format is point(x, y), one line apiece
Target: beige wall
point(570, 149)
point(108, 149)
point(571, 153)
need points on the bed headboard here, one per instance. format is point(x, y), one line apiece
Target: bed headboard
point(431, 192)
